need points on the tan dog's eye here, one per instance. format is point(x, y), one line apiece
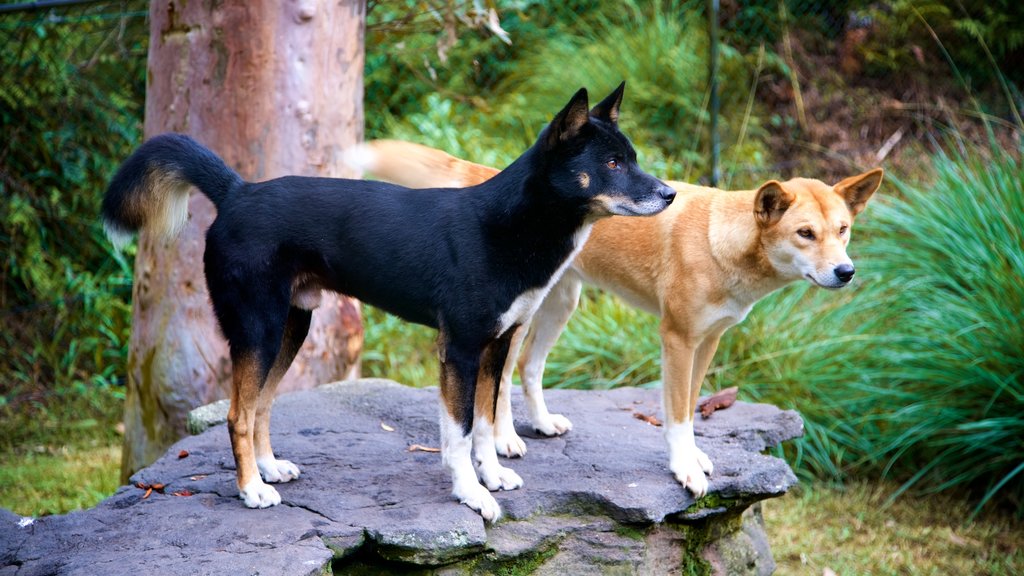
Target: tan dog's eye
point(805, 233)
point(843, 229)
point(612, 164)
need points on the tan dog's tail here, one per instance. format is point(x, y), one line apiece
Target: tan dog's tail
point(416, 166)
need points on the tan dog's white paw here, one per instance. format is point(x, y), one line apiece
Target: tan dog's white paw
point(498, 477)
point(509, 444)
point(704, 462)
point(273, 470)
point(256, 494)
point(478, 498)
point(552, 425)
point(692, 477)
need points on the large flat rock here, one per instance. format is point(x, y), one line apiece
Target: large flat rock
point(362, 489)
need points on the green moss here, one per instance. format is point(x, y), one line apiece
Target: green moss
point(631, 531)
point(524, 564)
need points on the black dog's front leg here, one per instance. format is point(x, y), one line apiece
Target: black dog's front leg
point(460, 366)
point(497, 358)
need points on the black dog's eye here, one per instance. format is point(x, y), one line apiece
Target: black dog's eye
point(805, 233)
point(612, 164)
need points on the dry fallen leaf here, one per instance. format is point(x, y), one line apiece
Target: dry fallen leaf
point(649, 418)
point(181, 493)
point(149, 488)
point(386, 427)
point(182, 454)
point(718, 401)
point(421, 448)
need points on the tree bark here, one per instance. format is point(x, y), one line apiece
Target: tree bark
point(274, 88)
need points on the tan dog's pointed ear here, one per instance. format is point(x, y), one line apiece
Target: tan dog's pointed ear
point(771, 203)
point(857, 190)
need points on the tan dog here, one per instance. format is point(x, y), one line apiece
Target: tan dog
point(700, 265)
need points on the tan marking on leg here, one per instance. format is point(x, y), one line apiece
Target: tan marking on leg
point(290, 344)
point(242, 417)
point(456, 442)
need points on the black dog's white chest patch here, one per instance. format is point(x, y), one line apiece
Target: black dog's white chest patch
point(527, 303)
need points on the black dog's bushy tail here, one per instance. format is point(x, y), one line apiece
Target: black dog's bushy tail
point(150, 190)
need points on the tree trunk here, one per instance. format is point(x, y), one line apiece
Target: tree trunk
point(274, 88)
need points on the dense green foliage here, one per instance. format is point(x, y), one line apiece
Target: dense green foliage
point(492, 99)
point(982, 38)
point(70, 110)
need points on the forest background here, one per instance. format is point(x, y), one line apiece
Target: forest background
point(911, 382)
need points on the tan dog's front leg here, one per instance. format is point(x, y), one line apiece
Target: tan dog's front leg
point(684, 365)
point(547, 325)
point(506, 441)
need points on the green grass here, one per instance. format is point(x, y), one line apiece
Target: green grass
point(56, 480)
point(854, 530)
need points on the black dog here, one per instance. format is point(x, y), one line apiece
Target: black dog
point(473, 263)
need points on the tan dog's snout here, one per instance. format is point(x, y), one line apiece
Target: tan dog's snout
point(844, 272)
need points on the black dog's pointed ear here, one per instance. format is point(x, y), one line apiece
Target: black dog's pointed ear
point(569, 121)
point(608, 109)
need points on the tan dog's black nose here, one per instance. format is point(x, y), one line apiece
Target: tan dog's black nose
point(844, 272)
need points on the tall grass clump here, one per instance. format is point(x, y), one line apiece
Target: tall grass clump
point(956, 249)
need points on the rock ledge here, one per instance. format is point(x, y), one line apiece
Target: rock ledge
point(600, 497)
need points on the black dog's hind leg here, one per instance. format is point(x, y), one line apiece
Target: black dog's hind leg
point(498, 357)
point(295, 330)
point(460, 367)
point(252, 316)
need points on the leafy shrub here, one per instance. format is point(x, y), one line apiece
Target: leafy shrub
point(981, 39)
point(70, 110)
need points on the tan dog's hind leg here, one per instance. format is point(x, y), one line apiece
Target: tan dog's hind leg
point(548, 324)
point(241, 425)
point(494, 364)
point(272, 469)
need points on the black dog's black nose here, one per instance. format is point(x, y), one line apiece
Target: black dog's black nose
point(668, 194)
point(844, 272)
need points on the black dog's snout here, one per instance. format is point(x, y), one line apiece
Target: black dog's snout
point(844, 272)
point(668, 194)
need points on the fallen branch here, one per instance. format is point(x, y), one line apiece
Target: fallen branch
point(718, 401)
